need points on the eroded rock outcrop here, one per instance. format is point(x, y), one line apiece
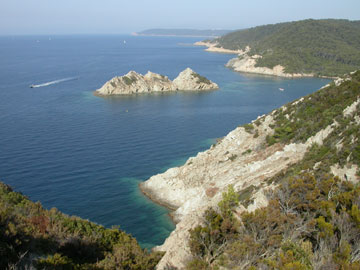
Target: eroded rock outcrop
point(246, 63)
point(133, 83)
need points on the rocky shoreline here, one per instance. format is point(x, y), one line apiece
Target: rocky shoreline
point(212, 47)
point(241, 159)
point(247, 64)
point(134, 83)
point(156, 199)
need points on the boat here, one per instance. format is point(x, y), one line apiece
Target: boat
point(281, 89)
point(32, 86)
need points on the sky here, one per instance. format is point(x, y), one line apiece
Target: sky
point(121, 17)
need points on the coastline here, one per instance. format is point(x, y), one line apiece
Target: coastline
point(188, 190)
point(247, 64)
point(152, 196)
point(211, 47)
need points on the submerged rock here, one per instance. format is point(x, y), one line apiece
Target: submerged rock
point(133, 83)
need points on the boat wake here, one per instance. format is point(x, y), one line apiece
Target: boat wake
point(53, 82)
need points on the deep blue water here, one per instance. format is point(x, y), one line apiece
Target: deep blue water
point(85, 155)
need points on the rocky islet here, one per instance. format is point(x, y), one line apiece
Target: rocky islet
point(135, 83)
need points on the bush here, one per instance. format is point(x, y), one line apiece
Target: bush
point(302, 226)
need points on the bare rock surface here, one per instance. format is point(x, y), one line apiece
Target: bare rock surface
point(133, 83)
point(246, 63)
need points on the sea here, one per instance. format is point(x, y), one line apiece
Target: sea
point(86, 155)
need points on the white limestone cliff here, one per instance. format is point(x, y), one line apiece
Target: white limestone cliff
point(241, 159)
point(246, 63)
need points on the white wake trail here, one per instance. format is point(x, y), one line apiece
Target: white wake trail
point(53, 82)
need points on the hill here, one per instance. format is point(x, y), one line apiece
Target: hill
point(183, 32)
point(321, 47)
point(281, 192)
point(31, 236)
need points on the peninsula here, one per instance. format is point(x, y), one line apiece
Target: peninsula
point(304, 48)
point(135, 83)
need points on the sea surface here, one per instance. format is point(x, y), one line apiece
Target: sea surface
point(86, 155)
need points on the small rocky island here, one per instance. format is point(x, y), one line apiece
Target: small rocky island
point(134, 83)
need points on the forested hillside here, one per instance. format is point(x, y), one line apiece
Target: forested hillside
point(33, 236)
point(322, 47)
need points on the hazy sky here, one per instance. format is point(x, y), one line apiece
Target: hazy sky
point(118, 16)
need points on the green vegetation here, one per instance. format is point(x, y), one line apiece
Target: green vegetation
point(246, 152)
point(249, 127)
point(300, 121)
point(322, 47)
point(314, 113)
point(312, 220)
point(48, 239)
point(200, 79)
point(308, 223)
point(233, 157)
point(129, 81)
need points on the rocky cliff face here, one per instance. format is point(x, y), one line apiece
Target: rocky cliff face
point(243, 159)
point(133, 83)
point(239, 159)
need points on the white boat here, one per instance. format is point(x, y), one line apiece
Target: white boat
point(281, 89)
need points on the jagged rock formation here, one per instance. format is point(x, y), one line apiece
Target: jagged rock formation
point(247, 158)
point(133, 83)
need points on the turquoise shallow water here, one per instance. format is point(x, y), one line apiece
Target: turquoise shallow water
point(86, 155)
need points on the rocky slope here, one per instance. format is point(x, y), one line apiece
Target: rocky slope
point(250, 157)
point(133, 83)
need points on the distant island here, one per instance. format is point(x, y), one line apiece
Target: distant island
point(328, 47)
point(183, 32)
point(135, 83)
